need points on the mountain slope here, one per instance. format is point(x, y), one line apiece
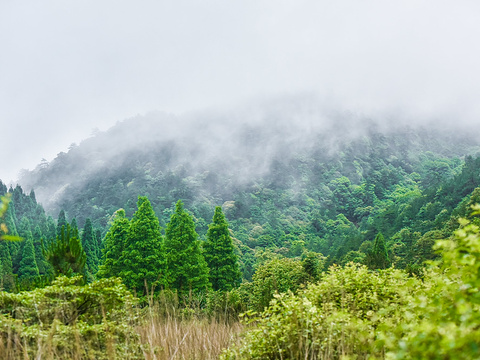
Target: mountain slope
point(288, 178)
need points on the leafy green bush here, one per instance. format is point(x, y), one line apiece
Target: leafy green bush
point(276, 275)
point(354, 313)
point(444, 320)
point(66, 321)
point(336, 318)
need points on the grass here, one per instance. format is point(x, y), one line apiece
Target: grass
point(162, 337)
point(197, 338)
point(103, 321)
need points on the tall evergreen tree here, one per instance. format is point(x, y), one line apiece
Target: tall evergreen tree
point(90, 246)
point(24, 230)
point(61, 222)
point(32, 196)
point(220, 254)
point(65, 254)
point(51, 231)
point(377, 258)
point(10, 218)
point(115, 241)
point(142, 262)
point(99, 242)
point(28, 269)
point(74, 225)
point(187, 269)
point(7, 279)
point(25, 227)
point(37, 245)
point(3, 188)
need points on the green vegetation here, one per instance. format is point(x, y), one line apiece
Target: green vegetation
point(356, 313)
point(220, 254)
point(67, 320)
point(114, 244)
point(355, 253)
point(142, 263)
point(187, 269)
point(65, 254)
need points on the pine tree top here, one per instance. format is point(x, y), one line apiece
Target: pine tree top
point(179, 207)
point(218, 217)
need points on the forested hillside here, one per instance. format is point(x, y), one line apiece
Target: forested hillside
point(212, 218)
point(286, 185)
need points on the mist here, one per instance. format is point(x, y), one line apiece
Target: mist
point(69, 68)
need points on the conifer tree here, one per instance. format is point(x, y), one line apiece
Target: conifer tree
point(7, 280)
point(220, 254)
point(11, 220)
point(37, 245)
point(25, 227)
point(62, 221)
point(51, 231)
point(25, 232)
point(377, 258)
point(187, 269)
point(115, 241)
point(28, 269)
point(142, 263)
point(74, 225)
point(99, 242)
point(65, 254)
point(32, 196)
point(90, 246)
point(3, 188)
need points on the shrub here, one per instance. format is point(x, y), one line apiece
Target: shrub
point(276, 275)
point(354, 313)
point(335, 318)
point(444, 320)
point(66, 320)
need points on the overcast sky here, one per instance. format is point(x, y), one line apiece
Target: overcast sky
point(67, 67)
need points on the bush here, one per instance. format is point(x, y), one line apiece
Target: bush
point(335, 318)
point(354, 313)
point(444, 321)
point(66, 320)
point(276, 275)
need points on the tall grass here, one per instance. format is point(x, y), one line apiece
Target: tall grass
point(161, 338)
point(183, 328)
point(196, 338)
point(161, 331)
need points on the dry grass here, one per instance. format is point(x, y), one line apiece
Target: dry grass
point(173, 338)
point(162, 338)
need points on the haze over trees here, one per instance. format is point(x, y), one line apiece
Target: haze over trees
point(312, 215)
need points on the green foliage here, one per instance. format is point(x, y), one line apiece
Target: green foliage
point(443, 321)
point(66, 254)
point(187, 269)
point(220, 254)
point(61, 222)
point(89, 244)
point(377, 258)
point(68, 321)
point(311, 198)
point(142, 263)
point(276, 275)
point(313, 264)
point(335, 318)
point(357, 313)
point(4, 229)
point(43, 266)
point(7, 280)
point(28, 266)
point(114, 245)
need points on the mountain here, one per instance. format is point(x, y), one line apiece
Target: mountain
point(290, 176)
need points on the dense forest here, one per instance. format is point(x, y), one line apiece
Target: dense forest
point(217, 217)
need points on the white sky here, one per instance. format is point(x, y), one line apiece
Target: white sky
point(67, 67)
